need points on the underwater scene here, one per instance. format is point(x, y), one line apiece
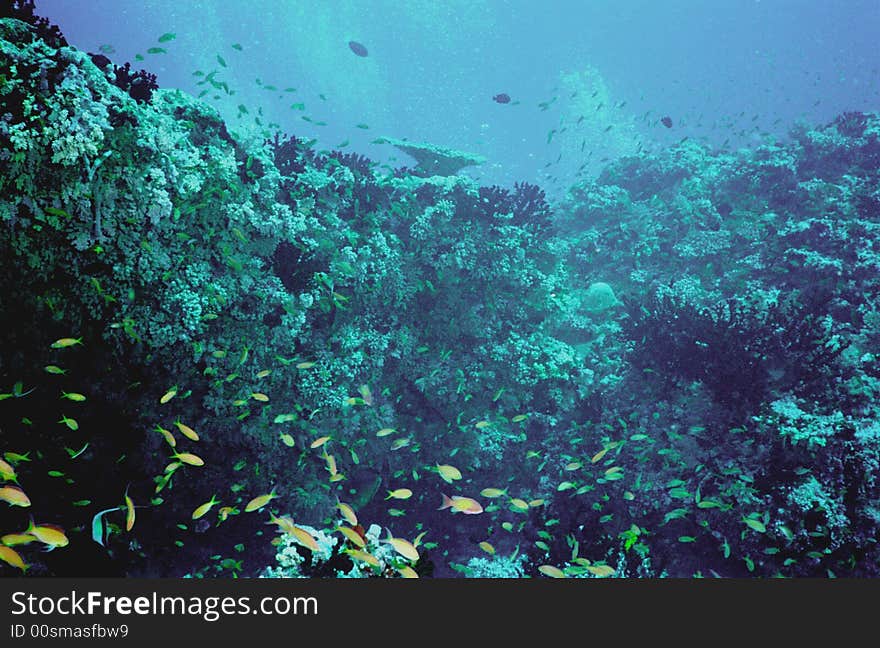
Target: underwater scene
point(461, 289)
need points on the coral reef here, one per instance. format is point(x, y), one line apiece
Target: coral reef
point(670, 373)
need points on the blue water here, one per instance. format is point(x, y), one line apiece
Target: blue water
point(737, 71)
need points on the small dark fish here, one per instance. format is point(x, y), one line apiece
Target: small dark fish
point(100, 60)
point(501, 98)
point(357, 48)
point(667, 121)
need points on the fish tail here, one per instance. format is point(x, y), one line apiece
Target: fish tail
point(446, 503)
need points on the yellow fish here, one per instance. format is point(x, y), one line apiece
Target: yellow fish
point(189, 458)
point(519, 505)
point(204, 508)
point(169, 438)
point(399, 493)
point(488, 548)
point(259, 396)
point(7, 472)
point(167, 396)
point(353, 536)
point(64, 343)
point(347, 513)
point(602, 571)
point(14, 496)
point(301, 536)
point(49, 534)
point(14, 539)
point(492, 493)
point(304, 538)
point(551, 571)
point(287, 440)
point(404, 547)
point(317, 443)
point(129, 512)
point(385, 432)
point(448, 473)
point(170, 468)
point(260, 501)
point(73, 396)
point(363, 556)
point(284, 523)
point(186, 431)
point(10, 556)
point(305, 365)
point(407, 572)
point(331, 463)
point(226, 511)
point(397, 444)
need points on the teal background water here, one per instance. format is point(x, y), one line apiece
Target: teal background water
point(737, 71)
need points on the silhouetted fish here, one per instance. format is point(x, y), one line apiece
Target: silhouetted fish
point(667, 121)
point(357, 48)
point(502, 98)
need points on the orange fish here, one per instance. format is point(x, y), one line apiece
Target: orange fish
point(14, 496)
point(465, 505)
